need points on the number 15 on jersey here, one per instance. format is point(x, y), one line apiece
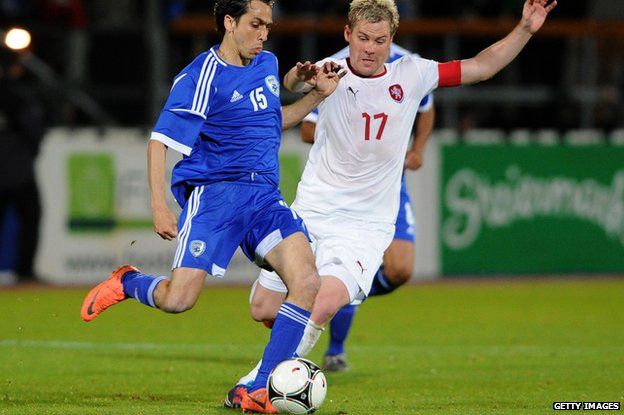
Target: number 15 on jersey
point(258, 99)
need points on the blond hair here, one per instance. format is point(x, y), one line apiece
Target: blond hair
point(374, 11)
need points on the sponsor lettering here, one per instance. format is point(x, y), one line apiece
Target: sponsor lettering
point(475, 201)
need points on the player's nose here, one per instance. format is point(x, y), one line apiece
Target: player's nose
point(264, 35)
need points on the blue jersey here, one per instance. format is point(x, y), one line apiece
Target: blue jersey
point(226, 120)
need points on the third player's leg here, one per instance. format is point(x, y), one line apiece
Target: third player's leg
point(399, 262)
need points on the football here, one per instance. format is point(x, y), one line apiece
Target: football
point(297, 386)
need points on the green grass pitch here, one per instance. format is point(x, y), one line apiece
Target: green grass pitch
point(507, 347)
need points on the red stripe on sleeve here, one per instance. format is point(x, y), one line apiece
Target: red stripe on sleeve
point(449, 73)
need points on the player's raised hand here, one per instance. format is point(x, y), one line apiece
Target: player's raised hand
point(327, 81)
point(535, 12)
point(165, 223)
point(306, 72)
point(329, 67)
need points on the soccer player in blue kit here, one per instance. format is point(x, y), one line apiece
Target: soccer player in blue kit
point(224, 115)
point(398, 261)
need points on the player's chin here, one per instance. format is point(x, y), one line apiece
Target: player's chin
point(254, 52)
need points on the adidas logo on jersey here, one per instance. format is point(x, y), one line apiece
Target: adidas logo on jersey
point(236, 96)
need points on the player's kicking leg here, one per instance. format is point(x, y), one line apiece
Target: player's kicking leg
point(293, 260)
point(173, 295)
point(331, 296)
point(200, 220)
point(264, 305)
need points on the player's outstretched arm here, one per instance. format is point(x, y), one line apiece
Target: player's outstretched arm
point(491, 60)
point(165, 222)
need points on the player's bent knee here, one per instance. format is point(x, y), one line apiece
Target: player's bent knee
point(265, 308)
point(325, 309)
point(262, 312)
point(312, 284)
point(306, 284)
point(323, 313)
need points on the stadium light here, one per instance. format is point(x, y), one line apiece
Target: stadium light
point(17, 39)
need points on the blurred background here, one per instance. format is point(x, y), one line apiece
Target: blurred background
point(524, 174)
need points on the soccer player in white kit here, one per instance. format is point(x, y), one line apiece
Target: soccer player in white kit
point(349, 192)
point(398, 259)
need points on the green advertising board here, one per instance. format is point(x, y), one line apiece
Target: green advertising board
point(94, 204)
point(91, 191)
point(532, 209)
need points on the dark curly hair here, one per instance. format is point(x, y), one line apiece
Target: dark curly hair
point(234, 8)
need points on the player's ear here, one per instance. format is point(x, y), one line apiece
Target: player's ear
point(229, 22)
point(347, 32)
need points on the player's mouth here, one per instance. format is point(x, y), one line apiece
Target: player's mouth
point(368, 61)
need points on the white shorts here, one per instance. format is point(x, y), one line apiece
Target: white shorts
point(347, 249)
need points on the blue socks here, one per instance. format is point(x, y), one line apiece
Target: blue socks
point(285, 337)
point(140, 286)
point(339, 329)
point(381, 285)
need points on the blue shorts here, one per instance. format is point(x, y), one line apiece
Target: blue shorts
point(405, 223)
point(221, 216)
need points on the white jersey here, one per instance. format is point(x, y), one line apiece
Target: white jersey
point(396, 53)
point(362, 133)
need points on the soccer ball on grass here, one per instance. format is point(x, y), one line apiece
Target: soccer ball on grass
point(297, 386)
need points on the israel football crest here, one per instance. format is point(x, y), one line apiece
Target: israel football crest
point(197, 248)
point(273, 84)
point(396, 92)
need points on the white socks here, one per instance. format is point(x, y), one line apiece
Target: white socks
point(311, 335)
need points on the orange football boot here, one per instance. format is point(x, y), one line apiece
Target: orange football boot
point(235, 397)
point(257, 402)
point(106, 294)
